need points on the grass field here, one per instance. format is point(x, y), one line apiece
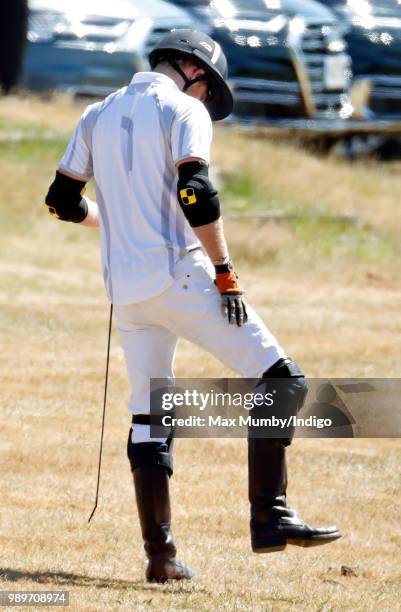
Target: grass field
point(329, 289)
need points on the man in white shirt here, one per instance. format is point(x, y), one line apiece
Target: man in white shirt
point(147, 146)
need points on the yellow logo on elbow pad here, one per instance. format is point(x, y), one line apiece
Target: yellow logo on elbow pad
point(188, 196)
point(52, 211)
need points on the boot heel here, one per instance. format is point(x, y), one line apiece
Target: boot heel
point(269, 545)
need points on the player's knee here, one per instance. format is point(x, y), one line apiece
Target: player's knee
point(291, 372)
point(290, 387)
point(150, 454)
point(284, 368)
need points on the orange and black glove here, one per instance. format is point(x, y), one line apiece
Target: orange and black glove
point(232, 303)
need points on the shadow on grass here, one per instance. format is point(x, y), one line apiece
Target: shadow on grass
point(60, 578)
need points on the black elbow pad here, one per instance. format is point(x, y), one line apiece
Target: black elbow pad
point(64, 199)
point(196, 194)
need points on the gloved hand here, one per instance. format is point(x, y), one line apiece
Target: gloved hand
point(232, 304)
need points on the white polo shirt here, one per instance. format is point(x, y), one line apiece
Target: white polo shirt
point(129, 143)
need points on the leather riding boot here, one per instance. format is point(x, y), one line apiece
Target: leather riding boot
point(273, 524)
point(153, 501)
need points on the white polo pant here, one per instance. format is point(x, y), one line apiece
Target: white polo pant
point(189, 308)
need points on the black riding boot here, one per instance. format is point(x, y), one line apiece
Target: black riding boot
point(153, 501)
point(273, 524)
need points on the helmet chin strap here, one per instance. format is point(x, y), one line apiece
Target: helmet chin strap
point(187, 82)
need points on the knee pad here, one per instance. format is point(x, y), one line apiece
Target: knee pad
point(284, 368)
point(291, 389)
point(149, 454)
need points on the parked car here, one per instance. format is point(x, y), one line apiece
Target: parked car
point(93, 46)
point(373, 36)
point(288, 62)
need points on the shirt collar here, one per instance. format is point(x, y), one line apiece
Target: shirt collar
point(153, 77)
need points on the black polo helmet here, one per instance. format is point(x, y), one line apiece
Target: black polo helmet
point(207, 54)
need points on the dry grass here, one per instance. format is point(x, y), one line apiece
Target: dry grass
point(284, 172)
point(338, 314)
point(58, 113)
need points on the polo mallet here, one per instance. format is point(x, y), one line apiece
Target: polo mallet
point(104, 413)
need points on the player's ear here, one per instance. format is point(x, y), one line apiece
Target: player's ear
point(195, 70)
